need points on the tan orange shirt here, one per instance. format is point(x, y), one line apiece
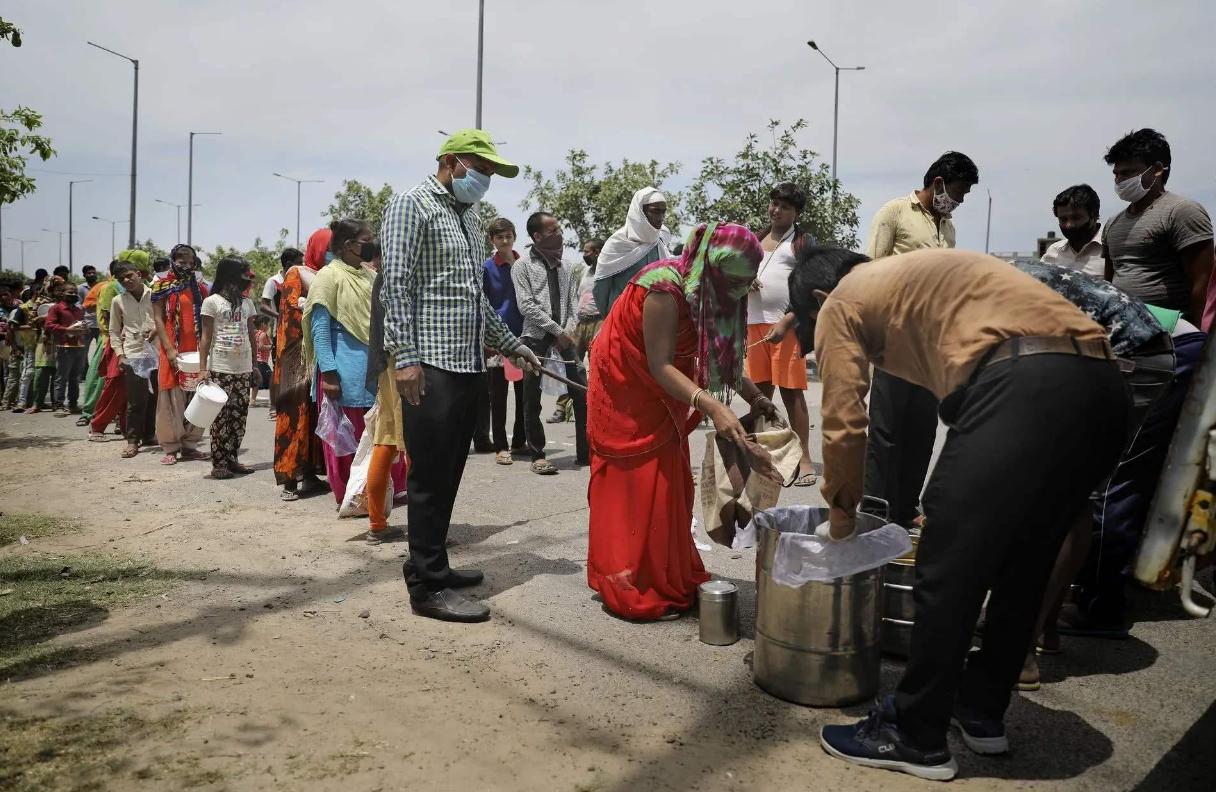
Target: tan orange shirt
point(927, 317)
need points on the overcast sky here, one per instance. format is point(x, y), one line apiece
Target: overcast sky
point(1033, 92)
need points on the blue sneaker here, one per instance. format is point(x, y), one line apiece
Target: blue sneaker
point(877, 742)
point(981, 736)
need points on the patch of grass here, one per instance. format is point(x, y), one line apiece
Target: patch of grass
point(33, 526)
point(43, 596)
point(50, 754)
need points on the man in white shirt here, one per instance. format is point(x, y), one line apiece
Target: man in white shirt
point(1077, 210)
point(289, 258)
point(780, 364)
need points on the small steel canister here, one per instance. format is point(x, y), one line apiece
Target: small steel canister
point(719, 612)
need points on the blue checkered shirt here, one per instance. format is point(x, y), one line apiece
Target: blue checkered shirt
point(435, 309)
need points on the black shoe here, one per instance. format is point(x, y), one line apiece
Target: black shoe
point(455, 578)
point(447, 605)
point(878, 742)
point(982, 736)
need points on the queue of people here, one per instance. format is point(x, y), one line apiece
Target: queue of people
point(1060, 384)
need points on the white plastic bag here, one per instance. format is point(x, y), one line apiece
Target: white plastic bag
point(146, 363)
point(336, 430)
point(801, 558)
point(550, 386)
point(354, 502)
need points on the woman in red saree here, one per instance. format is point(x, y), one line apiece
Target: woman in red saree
point(675, 334)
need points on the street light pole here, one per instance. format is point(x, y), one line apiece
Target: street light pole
point(481, 39)
point(836, 105)
point(988, 228)
point(134, 134)
point(113, 224)
point(72, 184)
point(190, 190)
point(60, 233)
point(179, 216)
point(24, 242)
point(298, 183)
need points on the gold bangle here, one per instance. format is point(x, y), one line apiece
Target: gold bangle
point(692, 402)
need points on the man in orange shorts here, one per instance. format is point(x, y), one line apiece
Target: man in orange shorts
point(780, 362)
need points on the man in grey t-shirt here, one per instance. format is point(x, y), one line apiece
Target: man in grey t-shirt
point(1159, 248)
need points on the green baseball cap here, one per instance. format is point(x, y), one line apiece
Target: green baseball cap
point(476, 141)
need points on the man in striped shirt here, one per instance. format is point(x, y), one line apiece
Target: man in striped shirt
point(437, 322)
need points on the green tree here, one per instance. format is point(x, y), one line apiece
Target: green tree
point(591, 200)
point(154, 251)
point(263, 260)
point(736, 190)
point(13, 279)
point(18, 141)
point(356, 199)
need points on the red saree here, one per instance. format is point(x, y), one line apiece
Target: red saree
point(641, 557)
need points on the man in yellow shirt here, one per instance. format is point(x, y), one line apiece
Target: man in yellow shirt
point(903, 416)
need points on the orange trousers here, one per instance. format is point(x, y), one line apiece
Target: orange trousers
point(378, 474)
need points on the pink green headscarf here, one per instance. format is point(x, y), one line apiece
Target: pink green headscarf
point(717, 267)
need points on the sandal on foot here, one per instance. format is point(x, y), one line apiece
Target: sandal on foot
point(83, 421)
point(194, 455)
point(241, 470)
point(805, 480)
point(169, 459)
point(222, 473)
point(98, 437)
point(289, 495)
point(504, 458)
point(544, 467)
point(130, 451)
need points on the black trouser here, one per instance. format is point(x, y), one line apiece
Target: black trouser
point(437, 435)
point(141, 407)
point(1121, 505)
point(498, 411)
point(534, 427)
point(903, 428)
point(1029, 439)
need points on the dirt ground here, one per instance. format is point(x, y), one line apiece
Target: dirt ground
point(288, 659)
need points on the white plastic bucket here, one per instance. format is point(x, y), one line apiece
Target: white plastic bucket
point(188, 362)
point(206, 404)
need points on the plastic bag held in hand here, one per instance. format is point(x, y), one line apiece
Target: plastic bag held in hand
point(336, 430)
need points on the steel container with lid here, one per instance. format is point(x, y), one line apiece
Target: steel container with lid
point(718, 603)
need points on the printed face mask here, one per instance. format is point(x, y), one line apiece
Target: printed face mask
point(943, 203)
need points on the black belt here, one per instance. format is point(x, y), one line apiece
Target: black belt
point(1021, 346)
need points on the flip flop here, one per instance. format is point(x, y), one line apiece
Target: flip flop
point(289, 495)
point(169, 459)
point(98, 437)
point(504, 458)
point(241, 470)
point(130, 451)
point(82, 421)
point(194, 455)
point(544, 467)
point(805, 480)
point(222, 473)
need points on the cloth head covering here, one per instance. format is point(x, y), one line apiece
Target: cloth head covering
point(139, 258)
point(713, 275)
point(170, 288)
point(346, 292)
point(314, 251)
point(630, 244)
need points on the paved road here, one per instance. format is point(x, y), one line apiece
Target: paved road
point(552, 693)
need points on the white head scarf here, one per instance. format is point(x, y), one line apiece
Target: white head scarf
point(630, 244)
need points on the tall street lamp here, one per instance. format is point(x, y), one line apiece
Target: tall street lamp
point(177, 238)
point(23, 242)
point(113, 224)
point(298, 183)
point(134, 134)
point(60, 233)
point(71, 237)
point(481, 39)
point(190, 190)
point(836, 108)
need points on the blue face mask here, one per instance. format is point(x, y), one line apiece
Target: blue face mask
point(329, 256)
point(118, 287)
point(471, 187)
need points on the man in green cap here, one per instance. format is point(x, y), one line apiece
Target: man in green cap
point(436, 324)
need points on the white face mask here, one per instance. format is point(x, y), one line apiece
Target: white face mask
point(943, 203)
point(1132, 190)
